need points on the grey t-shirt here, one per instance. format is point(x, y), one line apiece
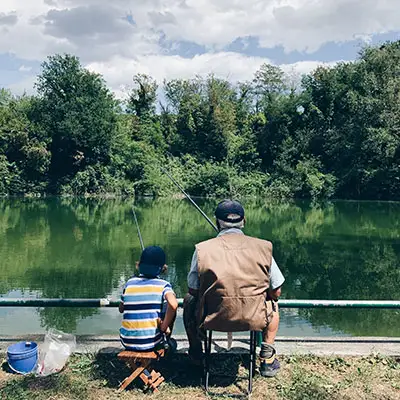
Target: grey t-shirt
point(276, 277)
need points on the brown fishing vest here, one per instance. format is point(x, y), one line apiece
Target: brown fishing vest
point(234, 278)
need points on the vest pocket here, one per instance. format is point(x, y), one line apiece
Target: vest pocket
point(236, 314)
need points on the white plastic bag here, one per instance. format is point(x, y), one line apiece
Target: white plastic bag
point(54, 352)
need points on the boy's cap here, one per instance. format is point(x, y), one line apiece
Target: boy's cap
point(151, 261)
point(226, 208)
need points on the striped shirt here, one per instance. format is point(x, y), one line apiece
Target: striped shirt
point(144, 302)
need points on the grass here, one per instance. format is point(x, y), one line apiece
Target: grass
point(97, 376)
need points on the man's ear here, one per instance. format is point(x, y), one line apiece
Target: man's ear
point(137, 266)
point(164, 268)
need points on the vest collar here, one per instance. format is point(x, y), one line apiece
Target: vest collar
point(230, 230)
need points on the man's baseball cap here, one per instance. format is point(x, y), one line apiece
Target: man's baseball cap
point(152, 260)
point(226, 208)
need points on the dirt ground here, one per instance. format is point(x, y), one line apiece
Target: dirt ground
point(97, 376)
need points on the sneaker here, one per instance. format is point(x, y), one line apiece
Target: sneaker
point(269, 370)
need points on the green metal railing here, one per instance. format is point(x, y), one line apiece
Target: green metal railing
point(95, 303)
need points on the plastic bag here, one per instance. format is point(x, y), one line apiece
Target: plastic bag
point(54, 352)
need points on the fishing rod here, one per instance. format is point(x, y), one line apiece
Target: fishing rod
point(229, 334)
point(164, 336)
point(190, 199)
point(138, 229)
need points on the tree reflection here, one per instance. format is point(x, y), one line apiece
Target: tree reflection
point(85, 248)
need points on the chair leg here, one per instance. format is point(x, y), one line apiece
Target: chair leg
point(207, 360)
point(255, 339)
point(126, 382)
point(252, 360)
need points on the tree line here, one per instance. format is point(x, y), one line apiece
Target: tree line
point(336, 134)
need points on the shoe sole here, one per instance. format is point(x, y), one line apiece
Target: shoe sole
point(269, 374)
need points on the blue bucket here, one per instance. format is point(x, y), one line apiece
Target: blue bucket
point(22, 357)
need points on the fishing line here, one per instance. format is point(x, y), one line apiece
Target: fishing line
point(137, 227)
point(190, 199)
point(164, 336)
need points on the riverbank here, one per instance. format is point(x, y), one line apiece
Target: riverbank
point(97, 376)
point(301, 346)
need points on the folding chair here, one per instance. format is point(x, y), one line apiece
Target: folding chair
point(140, 363)
point(252, 365)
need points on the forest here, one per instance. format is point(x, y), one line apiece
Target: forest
point(335, 134)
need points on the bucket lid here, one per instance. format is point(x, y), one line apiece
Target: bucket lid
point(22, 348)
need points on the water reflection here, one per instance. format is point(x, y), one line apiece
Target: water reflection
point(85, 248)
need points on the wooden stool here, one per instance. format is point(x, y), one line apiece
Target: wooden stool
point(140, 363)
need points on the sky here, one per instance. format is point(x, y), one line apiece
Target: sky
point(181, 38)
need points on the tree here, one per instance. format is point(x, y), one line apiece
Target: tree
point(219, 127)
point(143, 96)
point(78, 113)
point(145, 124)
point(184, 99)
point(356, 122)
point(24, 150)
point(338, 134)
point(268, 83)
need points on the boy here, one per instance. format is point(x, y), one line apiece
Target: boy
point(148, 303)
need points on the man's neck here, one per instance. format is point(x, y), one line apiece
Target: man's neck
point(230, 231)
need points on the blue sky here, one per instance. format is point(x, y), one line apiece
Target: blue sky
point(182, 38)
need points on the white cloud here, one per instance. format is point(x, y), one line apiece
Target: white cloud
point(99, 32)
point(95, 29)
point(118, 72)
point(304, 67)
point(23, 68)
point(307, 25)
point(24, 39)
point(24, 86)
point(8, 18)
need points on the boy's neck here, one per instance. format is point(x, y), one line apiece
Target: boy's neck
point(148, 277)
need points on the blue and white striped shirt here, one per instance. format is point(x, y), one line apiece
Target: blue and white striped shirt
point(144, 302)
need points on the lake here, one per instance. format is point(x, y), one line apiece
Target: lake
point(87, 248)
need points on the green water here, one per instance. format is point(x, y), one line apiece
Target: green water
point(81, 248)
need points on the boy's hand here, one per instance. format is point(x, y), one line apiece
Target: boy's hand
point(162, 328)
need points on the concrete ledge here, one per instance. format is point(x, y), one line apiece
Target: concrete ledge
point(319, 346)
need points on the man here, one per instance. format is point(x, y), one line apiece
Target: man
point(233, 264)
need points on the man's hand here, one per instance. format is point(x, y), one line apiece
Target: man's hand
point(274, 294)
